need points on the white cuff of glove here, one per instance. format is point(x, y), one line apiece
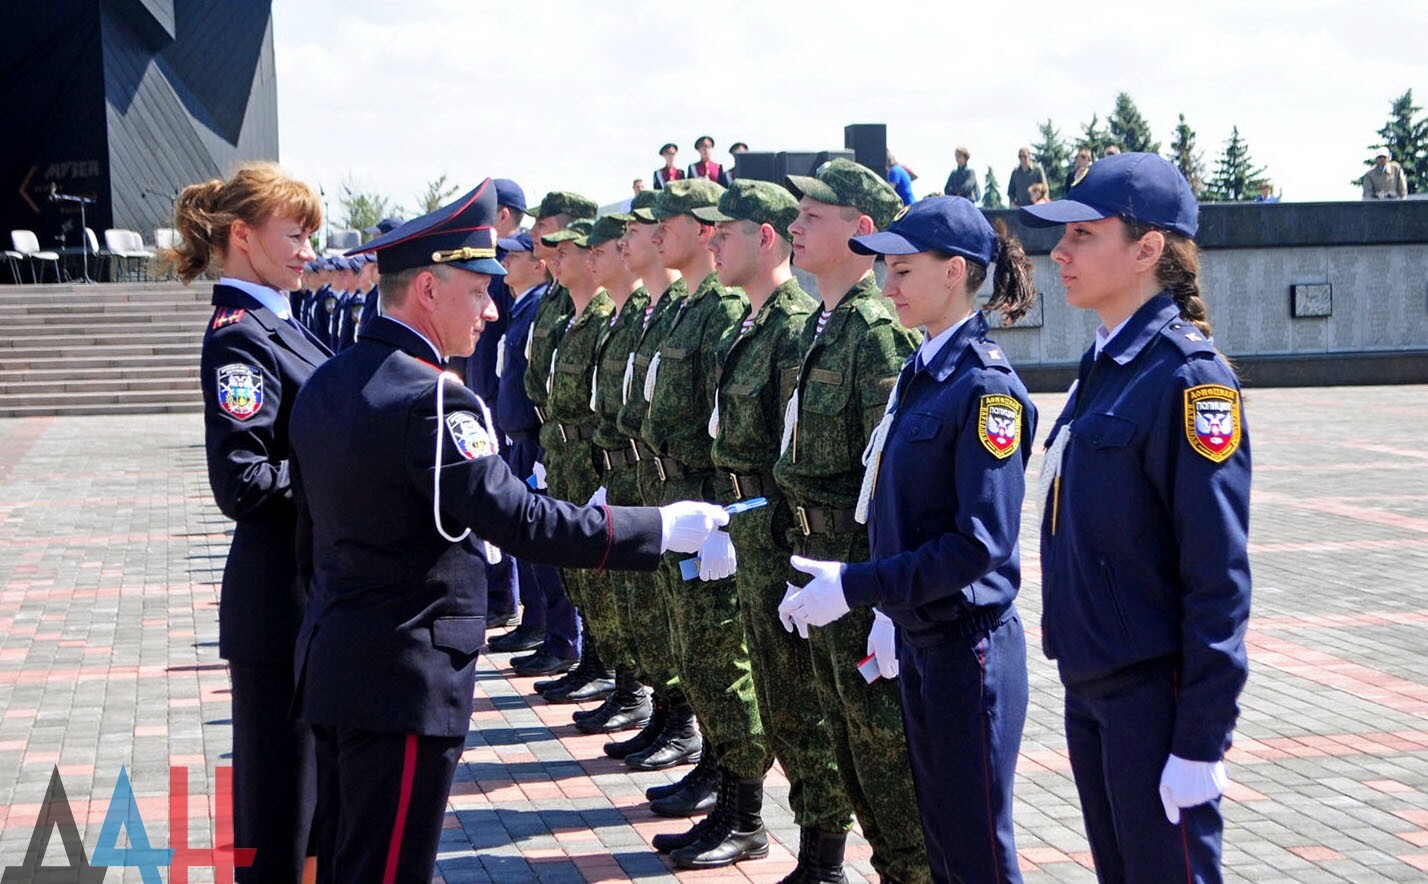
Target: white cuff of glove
point(598, 498)
point(686, 524)
point(717, 559)
point(1185, 783)
point(539, 472)
point(785, 612)
point(882, 644)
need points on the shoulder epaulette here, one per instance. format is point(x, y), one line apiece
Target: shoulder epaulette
point(991, 354)
point(873, 310)
point(227, 316)
point(1189, 338)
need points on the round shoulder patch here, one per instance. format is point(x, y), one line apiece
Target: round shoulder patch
point(240, 390)
point(470, 435)
point(1000, 424)
point(1212, 420)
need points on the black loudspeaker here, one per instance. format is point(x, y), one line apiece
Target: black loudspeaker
point(869, 144)
point(759, 165)
point(797, 162)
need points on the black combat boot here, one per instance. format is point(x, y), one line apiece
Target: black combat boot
point(696, 793)
point(628, 707)
point(668, 843)
point(678, 743)
point(820, 858)
point(708, 763)
point(594, 683)
point(647, 735)
point(738, 834)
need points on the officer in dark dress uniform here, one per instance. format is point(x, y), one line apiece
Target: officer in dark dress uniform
point(396, 613)
point(255, 358)
point(942, 500)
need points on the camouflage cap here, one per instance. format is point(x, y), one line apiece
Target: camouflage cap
point(608, 228)
point(761, 202)
point(576, 231)
point(563, 202)
point(645, 199)
point(842, 182)
point(683, 197)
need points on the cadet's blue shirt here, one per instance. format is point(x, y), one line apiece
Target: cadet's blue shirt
point(946, 509)
point(515, 413)
point(1148, 560)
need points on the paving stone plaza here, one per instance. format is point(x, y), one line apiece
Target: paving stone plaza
point(111, 552)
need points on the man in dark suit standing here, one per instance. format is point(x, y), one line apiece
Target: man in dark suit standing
point(397, 601)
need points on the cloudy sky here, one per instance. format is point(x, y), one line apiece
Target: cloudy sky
point(579, 95)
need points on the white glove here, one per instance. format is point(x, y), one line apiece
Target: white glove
point(539, 472)
point(785, 612)
point(716, 557)
point(598, 498)
point(882, 644)
point(1190, 783)
point(821, 601)
point(687, 524)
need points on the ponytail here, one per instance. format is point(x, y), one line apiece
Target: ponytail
point(204, 214)
point(1179, 274)
point(1013, 289)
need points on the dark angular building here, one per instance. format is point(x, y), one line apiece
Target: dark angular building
point(125, 102)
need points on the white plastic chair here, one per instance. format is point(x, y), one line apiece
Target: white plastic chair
point(127, 247)
point(28, 245)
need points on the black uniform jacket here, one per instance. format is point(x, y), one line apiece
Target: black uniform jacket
point(252, 366)
point(396, 611)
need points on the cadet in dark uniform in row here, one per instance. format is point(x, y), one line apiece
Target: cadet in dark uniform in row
point(855, 349)
point(255, 358)
point(751, 248)
point(396, 613)
point(1144, 559)
point(945, 487)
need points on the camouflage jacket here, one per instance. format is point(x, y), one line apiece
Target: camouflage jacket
point(677, 424)
point(569, 402)
point(611, 355)
point(632, 413)
point(843, 386)
point(552, 314)
point(756, 379)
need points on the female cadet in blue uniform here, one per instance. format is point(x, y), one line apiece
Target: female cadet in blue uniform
point(942, 499)
point(255, 357)
point(1145, 574)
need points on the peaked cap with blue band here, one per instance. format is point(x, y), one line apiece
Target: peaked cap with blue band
point(460, 234)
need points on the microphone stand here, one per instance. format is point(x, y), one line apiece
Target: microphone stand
point(83, 227)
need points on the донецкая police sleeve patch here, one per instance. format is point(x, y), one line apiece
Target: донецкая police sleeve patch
point(1000, 422)
point(470, 436)
point(240, 390)
point(1212, 420)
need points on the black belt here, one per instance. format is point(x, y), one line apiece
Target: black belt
point(963, 627)
point(752, 485)
point(618, 457)
point(822, 520)
point(669, 468)
point(581, 432)
point(522, 435)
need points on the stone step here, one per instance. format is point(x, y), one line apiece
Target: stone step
point(201, 293)
point(39, 356)
point(137, 310)
point(106, 386)
point(131, 405)
point(192, 399)
point(93, 338)
point(187, 370)
point(123, 325)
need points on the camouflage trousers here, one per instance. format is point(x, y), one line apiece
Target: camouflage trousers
point(866, 724)
point(783, 673)
point(639, 602)
point(570, 473)
point(711, 654)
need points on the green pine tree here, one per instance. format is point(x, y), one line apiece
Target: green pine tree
point(362, 209)
point(1187, 159)
point(1406, 138)
point(1054, 155)
point(1129, 129)
point(992, 192)
point(1236, 177)
point(437, 193)
point(1096, 138)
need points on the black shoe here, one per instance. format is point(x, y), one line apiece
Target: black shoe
point(698, 796)
point(820, 858)
point(518, 639)
point(604, 708)
point(591, 680)
point(572, 677)
point(647, 735)
point(501, 621)
point(707, 767)
point(541, 663)
point(737, 834)
point(664, 843)
point(678, 743)
point(627, 708)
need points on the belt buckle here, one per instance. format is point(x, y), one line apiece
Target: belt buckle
point(802, 515)
point(738, 492)
point(659, 467)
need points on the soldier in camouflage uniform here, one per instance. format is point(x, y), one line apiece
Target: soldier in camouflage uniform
point(711, 654)
point(570, 465)
point(554, 310)
point(614, 460)
point(751, 247)
point(855, 349)
point(671, 737)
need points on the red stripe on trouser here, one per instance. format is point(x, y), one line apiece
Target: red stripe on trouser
point(404, 801)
